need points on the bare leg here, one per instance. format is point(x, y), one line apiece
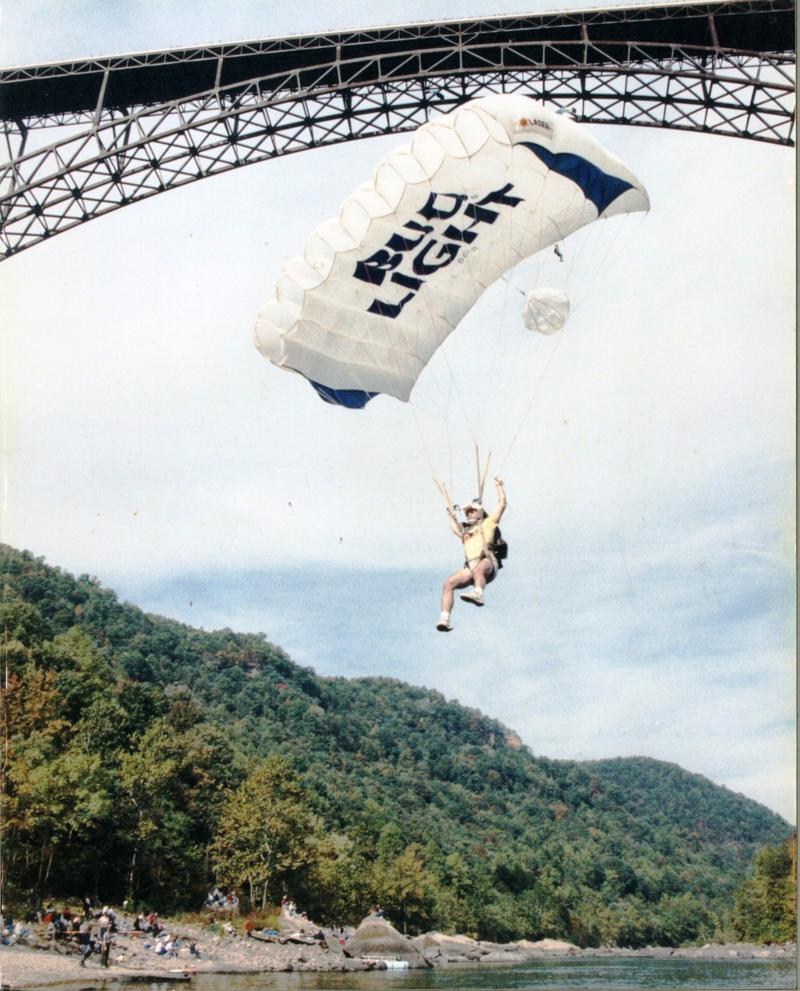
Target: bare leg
point(459, 579)
point(481, 573)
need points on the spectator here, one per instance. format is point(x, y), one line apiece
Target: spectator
point(85, 941)
point(105, 949)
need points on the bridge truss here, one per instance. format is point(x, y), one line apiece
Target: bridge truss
point(124, 128)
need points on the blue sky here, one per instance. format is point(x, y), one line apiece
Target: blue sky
point(648, 603)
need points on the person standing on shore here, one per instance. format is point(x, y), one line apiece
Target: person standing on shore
point(105, 949)
point(85, 940)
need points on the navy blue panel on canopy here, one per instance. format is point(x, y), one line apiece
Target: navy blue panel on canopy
point(596, 185)
point(351, 398)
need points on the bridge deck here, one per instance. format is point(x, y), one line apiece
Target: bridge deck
point(149, 78)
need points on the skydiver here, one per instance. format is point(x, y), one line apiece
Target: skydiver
point(480, 564)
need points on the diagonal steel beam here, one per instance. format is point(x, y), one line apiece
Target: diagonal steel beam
point(113, 156)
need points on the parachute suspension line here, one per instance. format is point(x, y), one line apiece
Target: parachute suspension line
point(389, 329)
point(481, 476)
point(504, 324)
point(481, 479)
point(426, 448)
point(451, 509)
point(542, 374)
point(589, 265)
point(623, 228)
point(515, 288)
point(446, 396)
point(539, 260)
point(572, 259)
point(450, 394)
point(517, 372)
point(457, 392)
point(531, 401)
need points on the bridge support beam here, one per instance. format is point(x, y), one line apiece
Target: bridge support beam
point(109, 156)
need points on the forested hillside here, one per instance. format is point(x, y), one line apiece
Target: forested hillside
point(145, 758)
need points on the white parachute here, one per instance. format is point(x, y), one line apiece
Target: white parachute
point(380, 286)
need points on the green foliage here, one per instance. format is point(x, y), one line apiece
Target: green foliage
point(765, 906)
point(265, 838)
point(147, 759)
point(405, 888)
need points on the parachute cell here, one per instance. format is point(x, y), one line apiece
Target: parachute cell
point(381, 286)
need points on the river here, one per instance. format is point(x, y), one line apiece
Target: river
point(588, 973)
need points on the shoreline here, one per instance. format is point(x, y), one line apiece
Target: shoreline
point(24, 968)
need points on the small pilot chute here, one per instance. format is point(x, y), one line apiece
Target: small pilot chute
point(545, 310)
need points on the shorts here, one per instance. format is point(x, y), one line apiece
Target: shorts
point(490, 557)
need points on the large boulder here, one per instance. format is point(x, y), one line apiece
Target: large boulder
point(376, 939)
point(291, 924)
point(439, 939)
point(447, 949)
point(548, 945)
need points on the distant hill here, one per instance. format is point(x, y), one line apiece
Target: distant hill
point(130, 735)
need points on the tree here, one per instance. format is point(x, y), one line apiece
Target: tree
point(265, 837)
point(765, 904)
point(146, 784)
point(342, 882)
point(54, 796)
point(405, 888)
point(463, 892)
point(170, 784)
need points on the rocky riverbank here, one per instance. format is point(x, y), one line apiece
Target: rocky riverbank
point(374, 945)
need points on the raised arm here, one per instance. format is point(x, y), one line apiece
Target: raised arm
point(501, 500)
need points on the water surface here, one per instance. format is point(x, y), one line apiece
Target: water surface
point(585, 973)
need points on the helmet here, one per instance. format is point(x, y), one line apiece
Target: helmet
point(474, 506)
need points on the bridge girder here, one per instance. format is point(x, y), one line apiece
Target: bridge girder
point(114, 154)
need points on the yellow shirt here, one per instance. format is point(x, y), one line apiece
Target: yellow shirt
point(474, 542)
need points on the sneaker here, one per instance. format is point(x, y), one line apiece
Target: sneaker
point(443, 626)
point(475, 597)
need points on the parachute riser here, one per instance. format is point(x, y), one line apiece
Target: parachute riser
point(481, 476)
point(451, 509)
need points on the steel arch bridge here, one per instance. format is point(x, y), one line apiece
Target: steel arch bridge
point(87, 137)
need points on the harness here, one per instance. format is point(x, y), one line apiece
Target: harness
point(486, 552)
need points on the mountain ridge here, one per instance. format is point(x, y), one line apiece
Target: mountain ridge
point(508, 843)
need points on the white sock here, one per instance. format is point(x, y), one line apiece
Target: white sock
point(445, 617)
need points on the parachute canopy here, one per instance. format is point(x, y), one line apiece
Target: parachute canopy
point(380, 286)
point(545, 310)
